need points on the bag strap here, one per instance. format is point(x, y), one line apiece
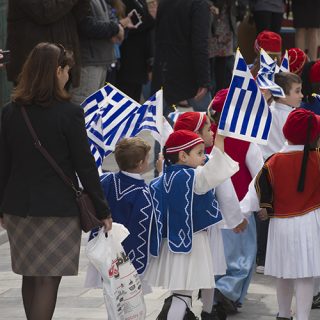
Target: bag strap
point(46, 154)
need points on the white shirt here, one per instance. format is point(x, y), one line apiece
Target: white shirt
point(276, 139)
point(218, 168)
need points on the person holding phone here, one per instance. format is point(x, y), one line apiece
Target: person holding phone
point(99, 32)
point(32, 22)
point(136, 51)
point(181, 61)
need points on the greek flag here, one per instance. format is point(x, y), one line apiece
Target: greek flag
point(173, 116)
point(111, 115)
point(265, 78)
point(245, 114)
point(285, 67)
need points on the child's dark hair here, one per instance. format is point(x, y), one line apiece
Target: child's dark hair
point(308, 87)
point(130, 151)
point(285, 81)
point(172, 158)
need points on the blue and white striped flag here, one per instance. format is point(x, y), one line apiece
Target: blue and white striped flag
point(245, 113)
point(111, 115)
point(265, 77)
point(173, 116)
point(285, 66)
point(104, 110)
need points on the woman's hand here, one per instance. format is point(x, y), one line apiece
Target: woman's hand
point(107, 223)
point(127, 22)
point(120, 36)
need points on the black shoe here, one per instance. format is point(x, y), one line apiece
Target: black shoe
point(222, 315)
point(189, 315)
point(281, 318)
point(165, 309)
point(228, 305)
point(209, 316)
point(316, 302)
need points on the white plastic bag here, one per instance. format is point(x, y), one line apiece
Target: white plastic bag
point(121, 282)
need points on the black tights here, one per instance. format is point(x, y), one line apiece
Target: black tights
point(39, 296)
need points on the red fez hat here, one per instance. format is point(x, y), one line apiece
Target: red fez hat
point(192, 121)
point(219, 100)
point(295, 128)
point(182, 140)
point(269, 41)
point(297, 59)
point(314, 75)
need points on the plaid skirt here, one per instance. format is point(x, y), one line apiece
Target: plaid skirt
point(44, 246)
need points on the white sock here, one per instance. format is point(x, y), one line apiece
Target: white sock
point(207, 296)
point(304, 295)
point(284, 296)
point(178, 307)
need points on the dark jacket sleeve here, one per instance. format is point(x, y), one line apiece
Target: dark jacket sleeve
point(92, 28)
point(48, 11)
point(83, 160)
point(199, 39)
point(264, 190)
point(5, 161)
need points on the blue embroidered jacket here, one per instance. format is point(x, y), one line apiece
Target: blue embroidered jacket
point(179, 212)
point(130, 203)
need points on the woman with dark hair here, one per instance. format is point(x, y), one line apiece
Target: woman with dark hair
point(37, 208)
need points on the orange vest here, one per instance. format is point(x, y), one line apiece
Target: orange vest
point(284, 172)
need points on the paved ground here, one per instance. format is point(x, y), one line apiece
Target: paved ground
point(78, 303)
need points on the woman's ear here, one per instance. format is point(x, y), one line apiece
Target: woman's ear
point(59, 71)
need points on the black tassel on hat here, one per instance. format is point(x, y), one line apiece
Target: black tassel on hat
point(305, 157)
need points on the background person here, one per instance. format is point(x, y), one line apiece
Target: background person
point(32, 22)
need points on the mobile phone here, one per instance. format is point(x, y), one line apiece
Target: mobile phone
point(135, 18)
point(6, 57)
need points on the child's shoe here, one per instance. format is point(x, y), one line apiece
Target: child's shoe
point(282, 318)
point(214, 315)
point(260, 269)
point(189, 315)
point(316, 301)
point(229, 306)
point(222, 315)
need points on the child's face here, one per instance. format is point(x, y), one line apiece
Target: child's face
point(293, 99)
point(206, 134)
point(195, 158)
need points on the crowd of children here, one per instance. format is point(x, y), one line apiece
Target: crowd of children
point(193, 228)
